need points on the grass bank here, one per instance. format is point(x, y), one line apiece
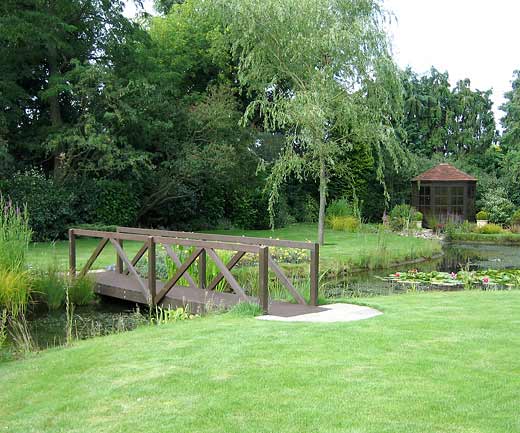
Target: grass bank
point(433, 362)
point(499, 238)
point(341, 250)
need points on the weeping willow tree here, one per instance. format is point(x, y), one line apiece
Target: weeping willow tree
point(319, 71)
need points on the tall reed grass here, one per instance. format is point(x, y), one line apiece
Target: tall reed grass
point(15, 235)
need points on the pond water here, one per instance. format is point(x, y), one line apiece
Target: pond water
point(110, 316)
point(457, 256)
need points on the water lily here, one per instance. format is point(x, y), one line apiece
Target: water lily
point(453, 275)
point(485, 280)
point(397, 274)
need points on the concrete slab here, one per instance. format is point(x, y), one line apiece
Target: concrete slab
point(329, 314)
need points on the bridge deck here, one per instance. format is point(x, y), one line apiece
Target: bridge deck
point(126, 287)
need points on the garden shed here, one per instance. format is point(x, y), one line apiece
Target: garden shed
point(446, 193)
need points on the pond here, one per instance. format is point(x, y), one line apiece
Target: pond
point(456, 256)
point(111, 316)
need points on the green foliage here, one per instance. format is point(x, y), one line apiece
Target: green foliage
point(343, 208)
point(482, 215)
point(245, 309)
point(401, 216)
point(81, 290)
point(498, 206)
point(116, 203)
point(418, 216)
point(515, 218)
point(15, 235)
point(344, 223)
point(162, 316)
point(15, 291)
point(49, 286)
point(490, 229)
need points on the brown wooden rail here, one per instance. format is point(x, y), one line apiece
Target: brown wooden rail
point(204, 245)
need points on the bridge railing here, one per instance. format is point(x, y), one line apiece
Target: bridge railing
point(203, 245)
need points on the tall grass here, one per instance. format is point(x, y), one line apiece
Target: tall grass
point(15, 235)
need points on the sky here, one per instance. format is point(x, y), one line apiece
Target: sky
point(475, 39)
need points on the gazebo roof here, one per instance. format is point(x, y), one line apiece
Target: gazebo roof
point(444, 172)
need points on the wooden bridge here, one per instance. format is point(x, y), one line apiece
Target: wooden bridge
point(125, 282)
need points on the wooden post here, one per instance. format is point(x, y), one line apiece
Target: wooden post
point(119, 260)
point(202, 269)
point(263, 278)
point(315, 274)
point(151, 270)
point(72, 253)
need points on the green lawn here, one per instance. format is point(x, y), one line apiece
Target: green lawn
point(346, 249)
point(433, 362)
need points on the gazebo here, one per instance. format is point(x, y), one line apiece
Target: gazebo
point(445, 192)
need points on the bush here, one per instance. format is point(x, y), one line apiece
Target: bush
point(344, 223)
point(418, 216)
point(49, 286)
point(343, 208)
point(482, 215)
point(515, 218)
point(401, 216)
point(490, 229)
point(15, 291)
point(49, 204)
point(498, 206)
point(116, 204)
point(81, 290)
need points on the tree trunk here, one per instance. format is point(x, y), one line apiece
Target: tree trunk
point(323, 203)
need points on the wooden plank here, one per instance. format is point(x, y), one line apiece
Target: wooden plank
point(206, 244)
point(314, 274)
point(263, 279)
point(227, 274)
point(221, 238)
point(119, 262)
point(152, 281)
point(95, 254)
point(202, 269)
point(137, 257)
point(72, 253)
point(178, 263)
point(110, 235)
point(234, 260)
point(180, 272)
point(131, 269)
point(285, 281)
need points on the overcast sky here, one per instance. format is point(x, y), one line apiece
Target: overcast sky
point(475, 39)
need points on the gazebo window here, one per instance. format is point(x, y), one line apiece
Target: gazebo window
point(424, 196)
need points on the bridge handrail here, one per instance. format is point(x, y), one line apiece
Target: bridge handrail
point(220, 238)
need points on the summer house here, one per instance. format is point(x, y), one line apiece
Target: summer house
point(446, 193)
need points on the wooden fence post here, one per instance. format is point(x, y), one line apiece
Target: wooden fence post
point(119, 260)
point(202, 269)
point(263, 278)
point(72, 253)
point(315, 274)
point(152, 281)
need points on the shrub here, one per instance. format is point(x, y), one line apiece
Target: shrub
point(116, 203)
point(515, 218)
point(50, 205)
point(49, 287)
point(490, 229)
point(482, 215)
point(344, 223)
point(498, 206)
point(401, 216)
point(418, 216)
point(343, 208)
point(15, 291)
point(81, 290)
